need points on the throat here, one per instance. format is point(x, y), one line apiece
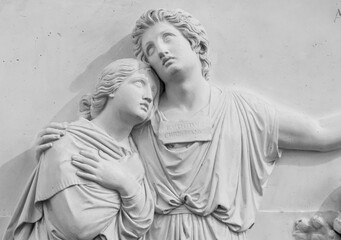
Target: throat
point(185, 101)
point(114, 127)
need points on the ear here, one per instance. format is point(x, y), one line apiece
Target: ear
point(111, 95)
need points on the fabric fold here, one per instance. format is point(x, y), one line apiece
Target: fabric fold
point(57, 204)
point(219, 182)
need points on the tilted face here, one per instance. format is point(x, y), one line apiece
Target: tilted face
point(168, 51)
point(134, 97)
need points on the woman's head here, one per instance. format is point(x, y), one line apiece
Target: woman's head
point(189, 27)
point(115, 75)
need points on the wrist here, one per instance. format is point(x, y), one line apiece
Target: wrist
point(129, 188)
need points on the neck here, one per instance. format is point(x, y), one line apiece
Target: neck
point(113, 124)
point(188, 93)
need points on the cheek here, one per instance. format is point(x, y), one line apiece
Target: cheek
point(154, 61)
point(136, 96)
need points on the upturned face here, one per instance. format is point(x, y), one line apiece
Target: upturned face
point(134, 97)
point(168, 51)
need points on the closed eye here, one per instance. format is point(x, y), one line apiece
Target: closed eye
point(150, 50)
point(167, 36)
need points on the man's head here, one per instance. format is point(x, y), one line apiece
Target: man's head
point(189, 27)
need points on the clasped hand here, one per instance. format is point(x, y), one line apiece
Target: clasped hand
point(93, 166)
point(108, 172)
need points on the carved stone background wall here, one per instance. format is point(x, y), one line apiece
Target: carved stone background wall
point(287, 51)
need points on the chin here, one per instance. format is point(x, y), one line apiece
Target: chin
point(139, 118)
point(174, 68)
point(171, 72)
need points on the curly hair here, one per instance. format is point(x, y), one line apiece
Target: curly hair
point(189, 26)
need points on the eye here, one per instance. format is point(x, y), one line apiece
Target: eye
point(150, 50)
point(139, 83)
point(167, 36)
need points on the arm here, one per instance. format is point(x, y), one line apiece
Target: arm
point(127, 177)
point(301, 132)
point(75, 208)
point(81, 212)
point(137, 213)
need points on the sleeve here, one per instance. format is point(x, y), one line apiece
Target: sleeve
point(82, 211)
point(262, 127)
point(56, 171)
point(137, 212)
point(26, 212)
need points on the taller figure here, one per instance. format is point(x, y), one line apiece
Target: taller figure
point(210, 152)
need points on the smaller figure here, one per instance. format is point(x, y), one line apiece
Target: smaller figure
point(58, 203)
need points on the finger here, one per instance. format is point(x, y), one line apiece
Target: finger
point(57, 125)
point(84, 160)
point(90, 155)
point(109, 157)
point(116, 151)
point(87, 176)
point(83, 166)
point(40, 149)
point(47, 139)
point(124, 159)
point(43, 147)
point(53, 131)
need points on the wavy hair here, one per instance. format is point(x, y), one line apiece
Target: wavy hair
point(112, 76)
point(189, 26)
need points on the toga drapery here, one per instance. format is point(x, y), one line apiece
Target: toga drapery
point(57, 204)
point(210, 189)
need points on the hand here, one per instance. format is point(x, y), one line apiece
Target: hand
point(49, 134)
point(105, 171)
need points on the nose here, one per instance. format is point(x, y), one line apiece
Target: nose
point(148, 94)
point(148, 99)
point(162, 49)
point(162, 54)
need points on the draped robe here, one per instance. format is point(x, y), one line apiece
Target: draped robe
point(212, 189)
point(57, 204)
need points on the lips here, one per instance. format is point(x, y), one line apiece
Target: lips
point(166, 59)
point(145, 106)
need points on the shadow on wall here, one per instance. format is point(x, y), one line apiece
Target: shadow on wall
point(15, 172)
point(333, 201)
point(308, 158)
point(87, 80)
